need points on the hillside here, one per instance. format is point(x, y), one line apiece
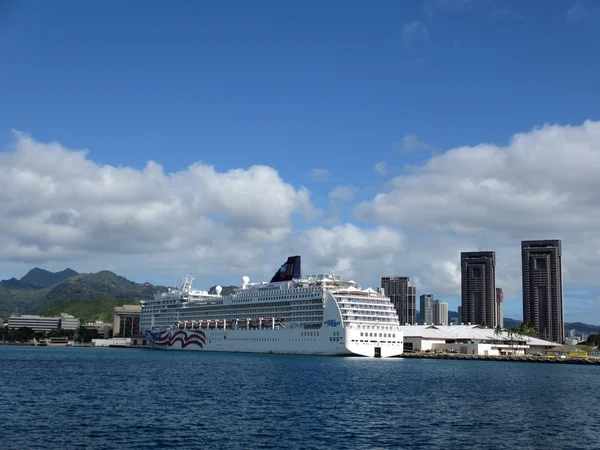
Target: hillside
point(38, 278)
point(16, 298)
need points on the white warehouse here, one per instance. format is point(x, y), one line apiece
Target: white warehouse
point(471, 340)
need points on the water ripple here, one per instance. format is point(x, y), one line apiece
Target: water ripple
point(115, 398)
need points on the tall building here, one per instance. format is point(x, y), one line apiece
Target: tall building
point(126, 320)
point(426, 311)
point(500, 307)
point(440, 313)
point(403, 296)
point(542, 288)
point(460, 316)
point(478, 270)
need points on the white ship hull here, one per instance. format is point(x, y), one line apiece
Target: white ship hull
point(292, 342)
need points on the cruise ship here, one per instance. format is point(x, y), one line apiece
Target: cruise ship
point(292, 314)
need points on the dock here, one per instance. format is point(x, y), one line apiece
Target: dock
point(517, 358)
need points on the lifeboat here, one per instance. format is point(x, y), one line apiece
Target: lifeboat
point(229, 324)
point(255, 322)
point(242, 322)
point(211, 324)
point(220, 324)
point(204, 324)
point(268, 320)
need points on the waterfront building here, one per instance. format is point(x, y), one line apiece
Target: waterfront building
point(500, 307)
point(403, 296)
point(470, 340)
point(440, 313)
point(126, 321)
point(36, 323)
point(426, 311)
point(542, 287)
point(68, 322)
point(478, 300)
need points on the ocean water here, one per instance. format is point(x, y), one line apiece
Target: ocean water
point(131, 398)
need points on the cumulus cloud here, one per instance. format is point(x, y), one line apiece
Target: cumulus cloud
point(544, 184)
point(353, 251)
point(343, 193)
point(58, 207)
point(55, 202)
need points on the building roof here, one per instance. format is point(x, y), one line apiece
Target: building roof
point(468, 332)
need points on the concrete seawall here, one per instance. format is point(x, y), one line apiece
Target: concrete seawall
point(525, 358)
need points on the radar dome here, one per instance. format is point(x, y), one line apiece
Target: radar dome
point(218, 290)
point(245, 279)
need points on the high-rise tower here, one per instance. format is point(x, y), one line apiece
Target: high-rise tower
point(426, 311)
point(478, 270)
point(542, 288)
point(404, 297)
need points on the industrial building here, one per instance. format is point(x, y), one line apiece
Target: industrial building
point(471, 340)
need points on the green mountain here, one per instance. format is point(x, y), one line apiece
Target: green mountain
point(77, 293)
point(41, 278)
point(38, 278)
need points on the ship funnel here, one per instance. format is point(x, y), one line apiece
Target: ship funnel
point(289, 270)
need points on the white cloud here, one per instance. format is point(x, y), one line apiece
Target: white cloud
point(544, 184)
point(380, 168)
point(577, 13)
point(319, 174)
point(343, 193)
point(413, 32)
point(410, 143)
point(55, 203)
point(358, 253)
point(59, 208)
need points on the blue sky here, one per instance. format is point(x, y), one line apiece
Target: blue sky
point(318, 91)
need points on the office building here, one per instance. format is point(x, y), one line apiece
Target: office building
point(426, 311)
point(460, 316)
point(36, 323)
point(500, 307)
point(542, 288)
point(404, 297)
point(440, 313)
point(478, 272)
point(68, 322)
point(126, 321)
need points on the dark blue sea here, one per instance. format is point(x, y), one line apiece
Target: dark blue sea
point(131, 398)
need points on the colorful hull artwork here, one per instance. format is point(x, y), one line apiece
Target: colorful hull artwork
point(170, 338)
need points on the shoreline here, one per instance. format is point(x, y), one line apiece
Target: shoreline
point(524, 358)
